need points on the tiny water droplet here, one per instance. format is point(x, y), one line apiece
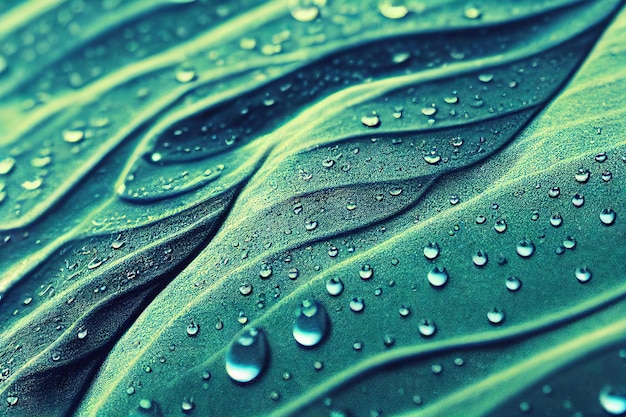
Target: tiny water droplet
point(613, 400)
point(495, 316)
point(578, 200)
point(366, 272)
point(334, 286)
point(247, 355)
point(525, 248)
point(431, 250)
point(426, 328)
point(311, 325)
point(480, 259)
point(513, 283)
point(357, 304)
point(608, 216)
point(438, 276)
point(556, 220)
point(583, 274)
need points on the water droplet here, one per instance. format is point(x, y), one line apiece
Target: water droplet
point(432, 158)
point(554, 192)
point(6, 165)
point(601, 157)
point(429, 111)
point(366, 272)
point(480, 219)
point(500, 226)
point(12, 400)
point(426, 328)
point(293, 273)
point(452, 100)
point(393, 9)
point(146, 407)
point(328, 163)
point(431, 251)
point(82, 333)
point(32, 185)
point(472, 12)
point(583, 274)
point(303, 10)
point(513, 283)
point(73, 135)
point(311, 325)
point(525, 248)
point(438, 276)
point(333, 251)
point(357, 304)
point(569, 242)
point(608, 216)
point(265, 272)
point(578, 200)
point(247, 356)
point(404, 311)
point(485, 78)
point(582, 175)
point(187, 405)
point(480, 259)
point(334, 286)
point(495, 316)
point(607, 176)
point(535, 216)
point(245, 289)
point(556, 220)
point(310, 225)
point(185, 75)
point(454, 200)
point(192, 329)
point(613, 400)
point(371, 120)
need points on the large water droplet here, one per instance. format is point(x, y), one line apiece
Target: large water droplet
point(371, 120)
point(578, 200)
point(480, 259)
point(311, 323)
point(556, 220)
point(500, 226)
point(495, 316)
point(613, 401)
point(366, 272)
point(334, 286)
point(582, 175)
point(393, 9)
point(608, 216)
point(431, 251)
point(247, 356)
point(513, 283)
point(357, 304)
point(525, 248)
point(426, 328)
point(303, 10)
point(583, 274)
point(554, 192)
point(438, 276)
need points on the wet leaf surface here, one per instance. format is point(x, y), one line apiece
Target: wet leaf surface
point(436, 191)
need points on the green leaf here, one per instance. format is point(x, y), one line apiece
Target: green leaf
point(168, 189)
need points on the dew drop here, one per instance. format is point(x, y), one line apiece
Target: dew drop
point(82, 333)
point(432, 158)
point(265, 271)
point(192, 329)
point(12, 400)
point(583, 274)
point(608, 216)
point(146, 407)
point(6, 165)
point(569, 242)
point(472, 12)
point(357, 304)
point(513, 283)
point(334, 286)
point(303, 10)
point(556, 220)
point(185, 75)
point(480, 259)
point(431, 251)
point(607, 176)
point(245, 289)
point(389, 340)
point(525, 248)
point(371, 120)
point(393, 9)
point(578, 200)
point(293, 273)
point(187, 405)
point(404, 311)
point(429, 111)
point(500, 226)
point(311, 325)
point(438, 276)
point(454, 200)
point(485, 78)
point(601, 157)
point(247, 355)
point(582, 175)
point(554, 192)
point(366, 272)
point(333, 251)
point(310, 225)
point(426, 328)
point(495, 316)
point(480, 219)
point(613, 401)
point(73, 136)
